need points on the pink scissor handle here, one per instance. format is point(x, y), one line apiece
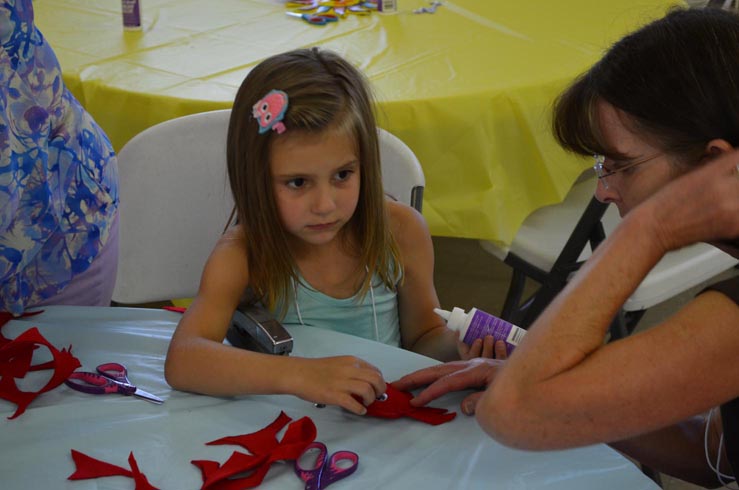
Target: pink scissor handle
point(97, 384)
point(114, 370)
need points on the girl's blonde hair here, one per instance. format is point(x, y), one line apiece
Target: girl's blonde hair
point(324, 92)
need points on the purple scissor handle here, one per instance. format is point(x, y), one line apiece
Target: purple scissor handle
point(111, 377)
point(325, 470)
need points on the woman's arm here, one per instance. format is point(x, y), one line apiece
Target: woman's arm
point(563, 387)
point(198, 360)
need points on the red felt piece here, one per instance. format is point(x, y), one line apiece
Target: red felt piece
point(398, 404)
point(265, 449)
point(176, 309)
point(141, 482)
point(15, 363)
point(87, 468)
point(5, 317)
point(259, 442)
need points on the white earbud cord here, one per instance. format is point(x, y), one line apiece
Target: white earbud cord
point(715, 469)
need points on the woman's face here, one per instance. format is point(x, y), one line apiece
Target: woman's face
point(628, 188)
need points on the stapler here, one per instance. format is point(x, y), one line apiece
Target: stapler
point(253, 328)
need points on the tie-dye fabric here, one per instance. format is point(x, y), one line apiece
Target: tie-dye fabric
point(58, 174)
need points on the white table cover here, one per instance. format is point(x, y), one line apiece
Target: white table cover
point(395, 454)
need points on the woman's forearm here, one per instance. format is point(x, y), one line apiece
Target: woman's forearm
point(537, 389)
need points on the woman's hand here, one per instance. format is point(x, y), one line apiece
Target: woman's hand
point(342, 381)
point(700, 206)
point(454, 376)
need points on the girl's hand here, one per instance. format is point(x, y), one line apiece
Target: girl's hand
point(486, 347)
point(337, 381)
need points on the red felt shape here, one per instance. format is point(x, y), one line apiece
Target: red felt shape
point(5, 317)
point(176, 309)
point(264, 448)
point(87, 468)
point(398, 404)
point(15, 362)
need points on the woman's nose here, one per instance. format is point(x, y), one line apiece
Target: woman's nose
point(603, 193)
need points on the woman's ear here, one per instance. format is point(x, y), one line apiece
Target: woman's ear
point(716, 147)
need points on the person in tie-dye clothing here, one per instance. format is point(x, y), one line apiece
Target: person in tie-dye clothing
point(58, 180)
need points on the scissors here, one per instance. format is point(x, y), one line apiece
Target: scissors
point(111, 377)
point(317, 20)
point(325, 470)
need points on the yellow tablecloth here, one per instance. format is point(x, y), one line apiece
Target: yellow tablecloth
point(468, 88)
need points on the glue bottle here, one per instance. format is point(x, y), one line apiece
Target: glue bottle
point(478, 324)
point(131, 15)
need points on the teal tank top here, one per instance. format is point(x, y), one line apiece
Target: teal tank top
point(347, 315)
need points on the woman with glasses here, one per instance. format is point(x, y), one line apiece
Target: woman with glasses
point(661, 113)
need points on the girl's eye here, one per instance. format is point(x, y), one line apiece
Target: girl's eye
point(343, 175)
point(296, 183)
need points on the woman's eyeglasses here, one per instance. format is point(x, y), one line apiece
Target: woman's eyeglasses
point(602, 172)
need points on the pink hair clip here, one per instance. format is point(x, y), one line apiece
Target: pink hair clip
point(270, 110)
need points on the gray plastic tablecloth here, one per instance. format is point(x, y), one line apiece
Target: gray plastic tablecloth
point(395, 454)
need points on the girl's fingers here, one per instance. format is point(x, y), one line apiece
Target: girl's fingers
point(488, 345)
point(500, 350)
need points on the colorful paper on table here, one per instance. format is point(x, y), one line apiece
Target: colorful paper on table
point(88, 468)
point(320, 12)
point(15, 362)
point(264, 448)
point(397, 404)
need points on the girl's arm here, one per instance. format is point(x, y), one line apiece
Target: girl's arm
point(198, 360)
point(563, 387)
point(421, 330)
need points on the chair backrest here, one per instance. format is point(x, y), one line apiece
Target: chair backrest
point(553, 241)
point(175, 202)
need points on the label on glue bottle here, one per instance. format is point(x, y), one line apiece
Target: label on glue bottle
point(131, 14)
point(478, 324)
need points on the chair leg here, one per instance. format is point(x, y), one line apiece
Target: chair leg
point(654, 475)
point(512, 305)
point(539, 302)
point(618, 327)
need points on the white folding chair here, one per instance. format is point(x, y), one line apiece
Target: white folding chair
point(175, 202)
point(552, 244)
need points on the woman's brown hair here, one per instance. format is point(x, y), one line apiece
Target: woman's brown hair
point(677, 79)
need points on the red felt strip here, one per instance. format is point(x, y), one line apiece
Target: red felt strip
point(397, 404)
point(259, 442)
point(176, 309)
point(265, 450)
point(87, 468)
point(5, 317)
point(141, 482)
point(15, 361)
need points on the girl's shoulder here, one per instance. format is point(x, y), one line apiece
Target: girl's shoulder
point(406, 223)
point(232, 243)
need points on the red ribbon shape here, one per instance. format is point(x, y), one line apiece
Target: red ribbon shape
point(265, 449)
point(87, 468)
point(398, 404)
point(15, 362)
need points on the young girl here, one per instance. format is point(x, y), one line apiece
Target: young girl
point(315, 241)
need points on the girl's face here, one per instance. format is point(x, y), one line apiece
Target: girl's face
point(630, 187)
point(316, 181)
